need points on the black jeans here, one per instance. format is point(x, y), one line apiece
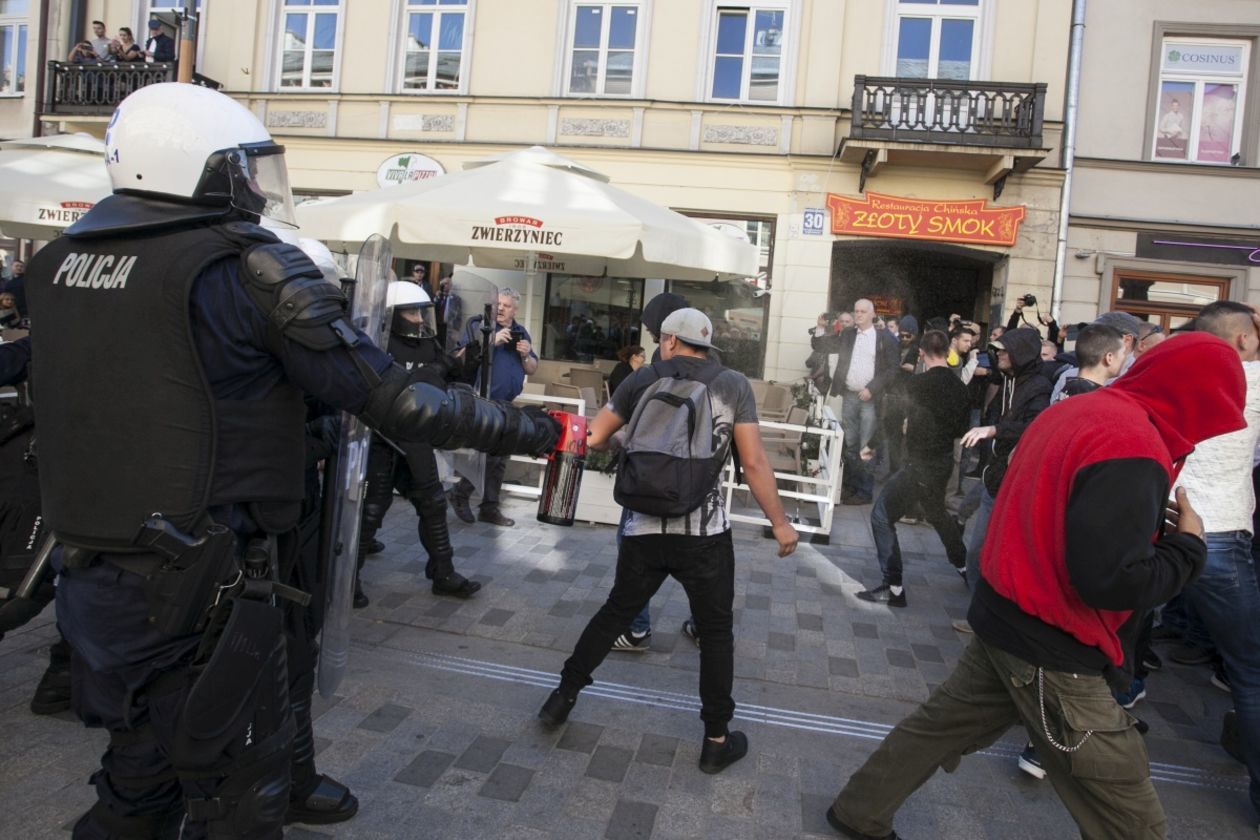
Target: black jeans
point(922, 481)
point(705, 566)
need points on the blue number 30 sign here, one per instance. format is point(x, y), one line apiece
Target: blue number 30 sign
point(815, 221)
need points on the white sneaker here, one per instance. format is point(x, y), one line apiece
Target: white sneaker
point(631, 641)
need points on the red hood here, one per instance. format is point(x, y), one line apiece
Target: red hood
point(1192, 387)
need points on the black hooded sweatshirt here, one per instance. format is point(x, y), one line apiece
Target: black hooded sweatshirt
point(1025, 394)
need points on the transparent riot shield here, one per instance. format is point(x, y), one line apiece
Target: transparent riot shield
point(345, 508)
point(469, 330)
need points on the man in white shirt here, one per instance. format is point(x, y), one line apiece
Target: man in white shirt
point(1218, 477)
point(863, 361)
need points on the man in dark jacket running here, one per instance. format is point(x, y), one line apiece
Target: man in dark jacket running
point(1074, 560)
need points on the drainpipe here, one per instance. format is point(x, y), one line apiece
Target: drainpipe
point(187, 42)
point(1067, 151)
point(41, 59)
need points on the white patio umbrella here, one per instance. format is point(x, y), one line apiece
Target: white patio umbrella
point(49, 182)
point(531, 210)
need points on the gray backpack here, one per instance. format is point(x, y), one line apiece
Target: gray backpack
point(671, 460)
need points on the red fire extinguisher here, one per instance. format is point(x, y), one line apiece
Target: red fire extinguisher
point(558, 503)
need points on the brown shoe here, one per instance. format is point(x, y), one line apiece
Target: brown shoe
point(495, 517)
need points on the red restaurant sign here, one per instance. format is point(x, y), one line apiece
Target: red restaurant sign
point(972, 221)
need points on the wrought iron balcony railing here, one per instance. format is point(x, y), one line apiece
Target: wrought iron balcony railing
point(948, 111)
point(96, 89)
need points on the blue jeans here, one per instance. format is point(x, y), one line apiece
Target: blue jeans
point(1227, 598)
point(919, 482)
point(975, 537)
point(857, 418)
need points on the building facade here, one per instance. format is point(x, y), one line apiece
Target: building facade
point(903, 150)
point(1163, 207)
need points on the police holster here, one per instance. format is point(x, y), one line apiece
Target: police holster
point(181, 590)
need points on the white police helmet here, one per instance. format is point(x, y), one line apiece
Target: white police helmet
point(412, 310)
point(191, 144)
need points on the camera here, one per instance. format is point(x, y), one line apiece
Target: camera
point(1030, 300)
point(518, 335)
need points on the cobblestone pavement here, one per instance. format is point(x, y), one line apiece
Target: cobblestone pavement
point(434, 727)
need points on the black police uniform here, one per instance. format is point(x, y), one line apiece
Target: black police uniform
point(185, 438)
point(413, 473)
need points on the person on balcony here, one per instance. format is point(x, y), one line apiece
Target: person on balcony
point(124, 47)
point(159, 46)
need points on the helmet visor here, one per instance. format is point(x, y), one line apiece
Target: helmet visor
point(268, 178)
point(413, 322)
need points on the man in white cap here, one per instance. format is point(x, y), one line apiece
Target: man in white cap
point(694, 547)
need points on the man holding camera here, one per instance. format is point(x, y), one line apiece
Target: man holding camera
point(511, 360)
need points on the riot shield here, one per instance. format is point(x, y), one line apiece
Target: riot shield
point(345, 508)
point(468, 340)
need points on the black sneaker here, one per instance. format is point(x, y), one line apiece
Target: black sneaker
point(851, 832)
point(1030, 763)
point(1151, 661)
point(884, 595)
point(1231, 737)
point(375, 547)
point(689, 630)
point(715, 757)
point(556, 710)
point(1220, 679)
point(633, 642)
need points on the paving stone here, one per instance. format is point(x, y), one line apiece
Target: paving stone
point(1171, 713)
point(759, 577)
point(631, 821)
point(425, 769)
point(496, 617)
point(483, 754)
point(899, 658)
point(757, 602)
point(808, 621)
point(537, 576)
point(443, 609)
point(657, 749)
point(927, 653)
point(781, 642)
point(609, 763)
point(862, 630)
point(507, 783)
point(564, 609)
point(580, 737)
point(386, 718)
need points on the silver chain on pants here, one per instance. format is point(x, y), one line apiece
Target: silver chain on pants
point(1045, 726)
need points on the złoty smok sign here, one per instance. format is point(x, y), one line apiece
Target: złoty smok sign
point(972, 221)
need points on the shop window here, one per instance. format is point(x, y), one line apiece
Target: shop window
point(590, 318)
point(604, 48)
point(13, 25)
point(434, 41)
point(1169, 300)
point(1198, 112)
point(310, 30)
point(938, 39)
point(739, 309)
point(748, 51)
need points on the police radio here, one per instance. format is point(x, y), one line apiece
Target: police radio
point(558, 503)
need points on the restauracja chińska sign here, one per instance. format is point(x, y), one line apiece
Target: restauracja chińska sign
point(972, 221)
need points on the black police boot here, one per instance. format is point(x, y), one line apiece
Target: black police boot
point(360, 600)
point(52, 695)
point(436, 539)
point(375, 546)
point(314, 799)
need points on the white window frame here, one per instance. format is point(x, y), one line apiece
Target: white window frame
point(982, 34)
point(276, 47)
point(1199, 80)
point(787, 54)
point(639, 70)
point(21, 25)
point(402, 8)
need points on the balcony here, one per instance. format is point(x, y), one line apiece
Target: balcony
point(995, 126)
point(94, 90)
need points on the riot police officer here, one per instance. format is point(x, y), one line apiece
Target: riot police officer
point(169, 465)
point(412, 469)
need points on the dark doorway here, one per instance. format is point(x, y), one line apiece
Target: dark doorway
point(926, 280)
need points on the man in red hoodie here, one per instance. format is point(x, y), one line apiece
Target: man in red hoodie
point(1075, 556)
